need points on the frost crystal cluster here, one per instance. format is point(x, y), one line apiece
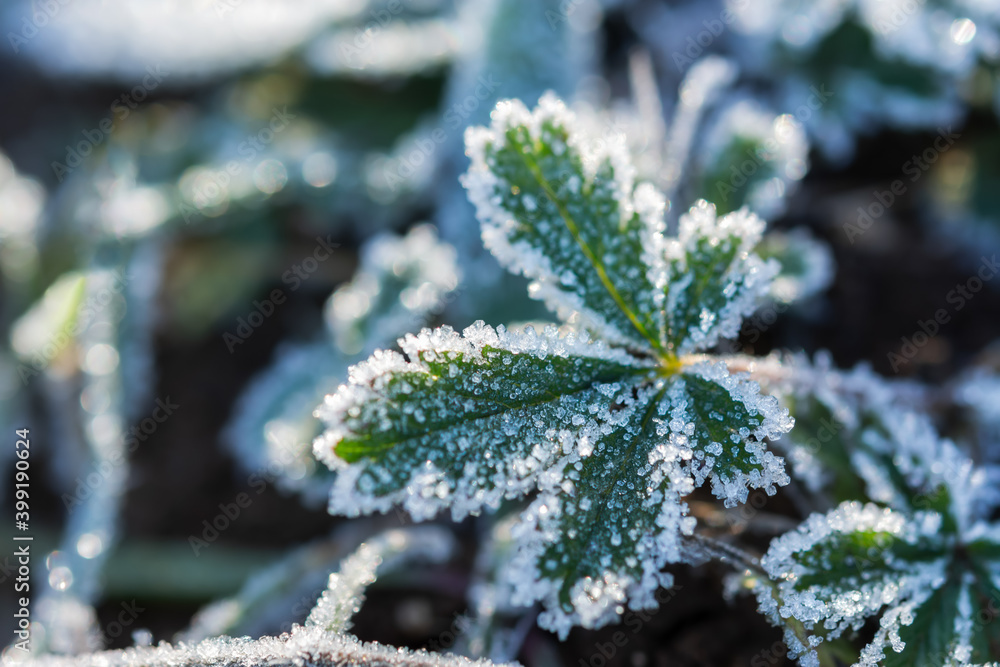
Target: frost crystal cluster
point(609, 424)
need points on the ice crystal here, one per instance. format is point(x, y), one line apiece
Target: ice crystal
point(608, 434)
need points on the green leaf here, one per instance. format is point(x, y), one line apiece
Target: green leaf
point(564, 213)
point(930, 638)
point(473, 417)
point(862, 561)
point(712, 279)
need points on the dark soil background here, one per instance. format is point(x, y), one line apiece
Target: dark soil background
point(897, 274)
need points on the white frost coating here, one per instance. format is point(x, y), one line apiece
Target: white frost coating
point(482, 184)
point(882, 581)
point(416, 270)
point(749, 278)
point(345, 591)
point(302, 646)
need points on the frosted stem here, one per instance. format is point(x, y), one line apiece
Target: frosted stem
point(346, 590)
point(726, 553)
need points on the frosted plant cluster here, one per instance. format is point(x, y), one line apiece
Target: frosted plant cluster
point(612, 424)
point(578, 446)
point(910, 543)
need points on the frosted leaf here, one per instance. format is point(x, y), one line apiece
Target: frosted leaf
point(588, 551)
point(457, 427)
point(312, 645)
point(400, 282)
point(713, 279)
point(840, 568)
point(856, 439)
point(559, 208)
point(345, 591)
point(724, 417)
point(860, 561)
